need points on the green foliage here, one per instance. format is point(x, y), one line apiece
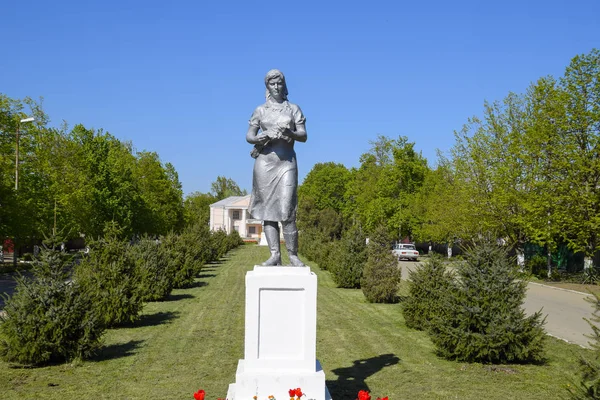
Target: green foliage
point(537, 266)
point(382, 189)
point(49, 318)
point(76, 180)
point(325, 186)
point(315, 246)
point(484, 320)
point(381, 274)
point(182, 254)
point(152, 268)
point(429, 285)
point(347, 258)
point(589, 366)
point(196, 208)
point(225, 187)
point(108, 274)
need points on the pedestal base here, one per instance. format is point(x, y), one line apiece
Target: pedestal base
point(277, 383)
point(280, 336)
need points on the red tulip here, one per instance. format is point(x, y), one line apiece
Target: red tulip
point(199, 395)
point(364, 395)
point(385, 398)
point(298, 392)
point(292, 392)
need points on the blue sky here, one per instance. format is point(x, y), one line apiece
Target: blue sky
point(182, 77)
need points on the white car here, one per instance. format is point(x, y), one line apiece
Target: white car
point(406, 251)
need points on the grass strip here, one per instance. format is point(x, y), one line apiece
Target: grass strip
point(195, 340)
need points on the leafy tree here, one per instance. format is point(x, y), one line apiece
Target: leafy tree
point(578, 125)
point(196, 208)
point(325, 186)
point(383, 187)
point(160, 191)
point(225, 187)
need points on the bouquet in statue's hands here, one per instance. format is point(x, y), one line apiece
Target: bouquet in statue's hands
point(278, 131)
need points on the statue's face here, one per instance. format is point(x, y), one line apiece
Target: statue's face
point(276, 87)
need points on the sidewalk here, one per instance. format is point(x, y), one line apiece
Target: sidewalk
point(565, 310)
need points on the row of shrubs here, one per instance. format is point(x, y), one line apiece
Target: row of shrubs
point(353, 263)
point(63, 310)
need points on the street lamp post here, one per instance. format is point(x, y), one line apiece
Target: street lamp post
point(22, 121)
point(25, 120)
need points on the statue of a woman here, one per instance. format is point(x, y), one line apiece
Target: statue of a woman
point(275, 176)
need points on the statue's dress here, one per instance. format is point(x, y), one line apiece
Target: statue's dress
point(275, 175)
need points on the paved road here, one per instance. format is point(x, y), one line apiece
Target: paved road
point(564, 309)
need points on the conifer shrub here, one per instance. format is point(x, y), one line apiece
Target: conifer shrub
point(49, 318)
point(108, 274)
point(347, 258)
point(315, 246)
point(428, 285)
point(589, 367)
point(181, 253)
point(483, 320)
point(381, 274)
point(220, 244)
point(234, 240)
point(152, 268)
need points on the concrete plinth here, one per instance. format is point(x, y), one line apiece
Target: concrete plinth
point(280, 336)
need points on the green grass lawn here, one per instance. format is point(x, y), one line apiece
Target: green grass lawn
point(195, 340)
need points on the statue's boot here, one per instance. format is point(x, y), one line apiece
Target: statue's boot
point(272, 236)
point(290, 234)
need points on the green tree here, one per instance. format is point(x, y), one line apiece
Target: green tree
point(196, 208)
point(161, 203)
point(429, 284)
point(383, 187)
point(225, 187)
point(483, 319)
point(381, 275)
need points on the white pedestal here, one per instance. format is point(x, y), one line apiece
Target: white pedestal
point(280, 336)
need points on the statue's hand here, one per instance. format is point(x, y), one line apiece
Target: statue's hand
point(262, 138)
point(273, 134)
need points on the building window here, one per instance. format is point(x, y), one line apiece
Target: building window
point(236, 214)
point(252, 230)
point(236, 228)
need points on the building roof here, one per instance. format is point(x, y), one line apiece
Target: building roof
point(233, 201)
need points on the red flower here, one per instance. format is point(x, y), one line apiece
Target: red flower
point(385, 398)
point(292, 392)
point(364, 395)
point(199, 395)
point(298, 392)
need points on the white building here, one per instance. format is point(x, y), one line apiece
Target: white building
point(232, 214)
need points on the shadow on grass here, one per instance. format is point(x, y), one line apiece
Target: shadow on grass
point(175, 297)
point(350, 380)
point(196, 284)
point(158, 318)
point(206, 276)
point(114, 351)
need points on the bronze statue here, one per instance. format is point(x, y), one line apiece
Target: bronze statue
point(275, 177)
